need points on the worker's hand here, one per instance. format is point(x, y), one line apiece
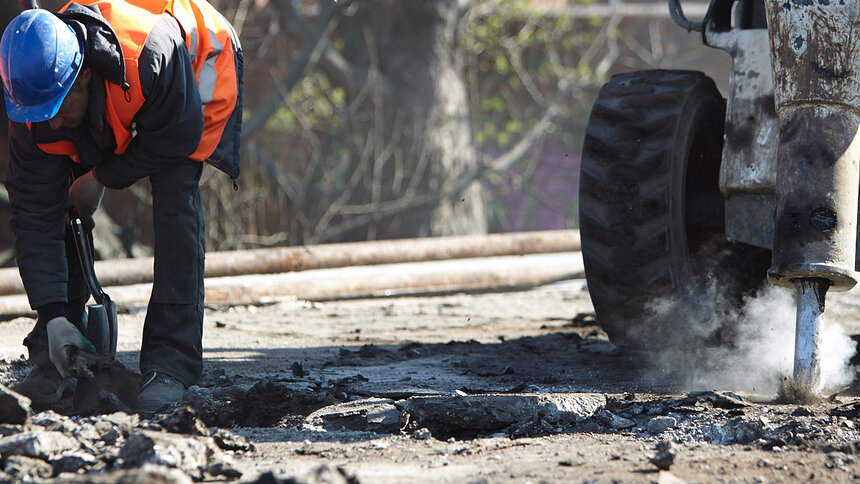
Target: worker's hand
point(85, 195)
point(64, 344)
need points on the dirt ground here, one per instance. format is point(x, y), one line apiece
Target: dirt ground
point(516, 386)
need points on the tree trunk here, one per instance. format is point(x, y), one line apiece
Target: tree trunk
point(411, 131)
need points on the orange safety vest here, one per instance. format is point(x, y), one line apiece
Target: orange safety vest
point(212, 59)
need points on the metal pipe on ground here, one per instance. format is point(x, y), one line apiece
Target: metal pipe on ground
point(123, 272)
point(409, 278)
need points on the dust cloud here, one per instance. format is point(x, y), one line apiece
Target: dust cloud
point(713, 341)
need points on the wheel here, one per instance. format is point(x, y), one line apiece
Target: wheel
point(657, 261)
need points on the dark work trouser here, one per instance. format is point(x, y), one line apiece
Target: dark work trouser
point(173, 328)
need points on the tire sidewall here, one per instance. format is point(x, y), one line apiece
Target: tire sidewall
point(699, 109)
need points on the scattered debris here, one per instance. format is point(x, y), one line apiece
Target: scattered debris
point(39, 444)
point(14, 369)
point(849, 410)
point(614, 421)
point(367, 352)
point(27, 468)
point(802, 412)
point(660, 424)
point(350, 403)
point(726, 400)
point(422, 434)
point(665, 456)
point(197, 456)
point(92, 449)
point(582, 320)
point(265, 404)
point(181, 420)
point(324, 474)
point(148, 473)
point(14, 407)
point(736, 431)
point(297, 369)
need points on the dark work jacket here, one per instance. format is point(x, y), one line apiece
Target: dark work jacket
point(168, 129)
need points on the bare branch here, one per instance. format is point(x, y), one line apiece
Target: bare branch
point(390, 209)
point(514, 54)
point(504, 161)
point(239, 19)
point(309, 54)
point(351, 77)
point(603, 36)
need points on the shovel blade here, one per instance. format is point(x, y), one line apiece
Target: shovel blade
point(98, 329)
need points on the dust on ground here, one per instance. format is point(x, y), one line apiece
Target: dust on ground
point(496, 387)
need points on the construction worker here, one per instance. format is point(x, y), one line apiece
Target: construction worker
point(102, 94)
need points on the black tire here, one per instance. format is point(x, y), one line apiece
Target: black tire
point(651, 214)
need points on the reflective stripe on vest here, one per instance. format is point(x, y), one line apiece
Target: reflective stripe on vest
point(214, 66)
point(213, 62)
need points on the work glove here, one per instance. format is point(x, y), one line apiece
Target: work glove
point(85, 195)
point(64, 344)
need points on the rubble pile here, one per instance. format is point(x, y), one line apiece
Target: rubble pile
point(188, 442)
point(724, 418)
point(13, 369)
point(265, 403)
point(174, 447)
point(699, 418)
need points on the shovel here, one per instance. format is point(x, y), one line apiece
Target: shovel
point(101, 327)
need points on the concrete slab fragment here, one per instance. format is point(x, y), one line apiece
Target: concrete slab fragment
point(371, 414)
point(497, 411)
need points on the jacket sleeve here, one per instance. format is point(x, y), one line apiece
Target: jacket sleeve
point(169, 125)
point(38, 185)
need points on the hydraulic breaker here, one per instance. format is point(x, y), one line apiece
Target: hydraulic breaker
point(815, 55)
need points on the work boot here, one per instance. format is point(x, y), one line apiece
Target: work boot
point(44, 385)
point(159, 389)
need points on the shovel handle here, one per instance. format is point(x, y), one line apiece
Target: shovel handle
point(103, 327)
point(86, 257)
point(28, 4)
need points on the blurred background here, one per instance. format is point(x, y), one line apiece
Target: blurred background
point(385, 119)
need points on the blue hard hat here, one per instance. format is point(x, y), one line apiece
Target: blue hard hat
point(40, 58)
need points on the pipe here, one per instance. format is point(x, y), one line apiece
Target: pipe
point(418, 278)
point(122, 272)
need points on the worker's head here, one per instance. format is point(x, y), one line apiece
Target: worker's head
point(40, 59)
point(76, 103)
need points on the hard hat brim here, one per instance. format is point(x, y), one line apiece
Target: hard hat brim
point(34, 114)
